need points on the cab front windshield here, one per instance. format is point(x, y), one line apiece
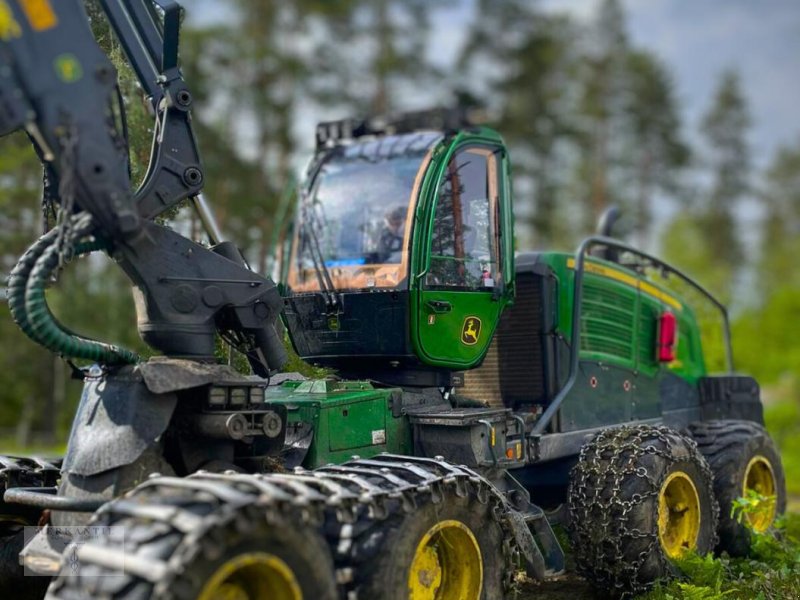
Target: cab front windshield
point(355, 218)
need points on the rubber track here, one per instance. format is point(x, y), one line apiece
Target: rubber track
point(165, 519)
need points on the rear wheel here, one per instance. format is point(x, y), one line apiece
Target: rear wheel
point(451, 550)
point(743, 459)
point(639, 498)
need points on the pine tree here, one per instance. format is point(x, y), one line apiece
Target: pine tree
point(520, 62)
point(704, 239)
point(602, 111)
point(369, 51)
point(657, 147)
point(780, 235)
point(725, 128)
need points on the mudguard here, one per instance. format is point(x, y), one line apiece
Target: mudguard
point(117, 419)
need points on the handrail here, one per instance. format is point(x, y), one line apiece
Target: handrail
point(580, 259)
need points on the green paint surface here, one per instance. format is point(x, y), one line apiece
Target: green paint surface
point(348, 417)
point(618, 324)
point(438, 336)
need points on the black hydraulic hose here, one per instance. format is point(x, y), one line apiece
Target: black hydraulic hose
point(48, 330)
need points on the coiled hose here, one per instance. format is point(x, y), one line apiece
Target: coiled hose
point(29, 309)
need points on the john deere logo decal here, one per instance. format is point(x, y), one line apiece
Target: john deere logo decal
point(471, 331)
point(68, 68)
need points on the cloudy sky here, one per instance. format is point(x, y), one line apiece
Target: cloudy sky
point(696, 38)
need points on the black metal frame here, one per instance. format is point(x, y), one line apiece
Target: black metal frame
point(580, 260)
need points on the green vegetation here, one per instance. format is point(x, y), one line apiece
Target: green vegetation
point(771, 572)
point(783, 422)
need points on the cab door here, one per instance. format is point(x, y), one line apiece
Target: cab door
point(462, 290)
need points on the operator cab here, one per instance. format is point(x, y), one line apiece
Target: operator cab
point(402, 258)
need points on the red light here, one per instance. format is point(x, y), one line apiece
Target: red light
point(667, 337)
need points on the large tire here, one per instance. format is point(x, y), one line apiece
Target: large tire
point(13, 582)
point(638, 498)
point(742, 456)
point(21, 472)
point(449, 549)
point(210, 547)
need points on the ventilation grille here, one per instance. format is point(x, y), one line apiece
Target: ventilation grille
point(607, 321)
point(647, 335)
point(513, 371)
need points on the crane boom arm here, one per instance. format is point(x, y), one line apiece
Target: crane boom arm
point(57, 84)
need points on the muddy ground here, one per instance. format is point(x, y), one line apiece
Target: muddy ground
point(567, 587)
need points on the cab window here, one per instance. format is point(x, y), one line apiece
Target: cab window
point(464, 236)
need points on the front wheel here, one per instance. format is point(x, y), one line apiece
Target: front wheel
point(639, 498)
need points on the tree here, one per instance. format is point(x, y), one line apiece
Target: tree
point(247, 75)
point(602, 111)
point(368, 50)
point(533, 59)
point(780, 235)
point(725, 128)
point(704, 238)
point(658, 149)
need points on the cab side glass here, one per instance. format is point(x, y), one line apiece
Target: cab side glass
point(464, 236)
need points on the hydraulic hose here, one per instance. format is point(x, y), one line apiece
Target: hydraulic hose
point(48, 330)
point(28, 280)
point(18, 280)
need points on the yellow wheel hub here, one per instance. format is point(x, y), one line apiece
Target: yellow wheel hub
point(760, 478)
point(447, 564)
point(678, 514)
point(252, 576)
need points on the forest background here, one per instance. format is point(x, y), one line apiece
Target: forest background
point(592, 115)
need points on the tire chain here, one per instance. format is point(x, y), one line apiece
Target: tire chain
point(606, 563)
point(336, 494)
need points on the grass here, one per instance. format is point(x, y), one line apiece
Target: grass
point(9, 447)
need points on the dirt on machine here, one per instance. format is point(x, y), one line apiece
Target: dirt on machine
point(478, 396)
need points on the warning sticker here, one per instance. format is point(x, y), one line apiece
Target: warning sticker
point(378, 437)
point(40, 14)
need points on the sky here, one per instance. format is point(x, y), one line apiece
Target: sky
point(697, 39)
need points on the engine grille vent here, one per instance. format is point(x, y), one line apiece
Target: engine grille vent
point(513, 371)
point(607, 322)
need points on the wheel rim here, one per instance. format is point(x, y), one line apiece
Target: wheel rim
point(252, 576)
point(759, 477)
point(678, 514)
point(447, 564)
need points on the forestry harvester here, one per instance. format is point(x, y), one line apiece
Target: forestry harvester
point(475, 397)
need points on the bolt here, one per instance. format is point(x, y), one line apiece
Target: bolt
point(192, 176)
point(184, 98)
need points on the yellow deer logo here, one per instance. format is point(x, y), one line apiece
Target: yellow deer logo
point(471, 331)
